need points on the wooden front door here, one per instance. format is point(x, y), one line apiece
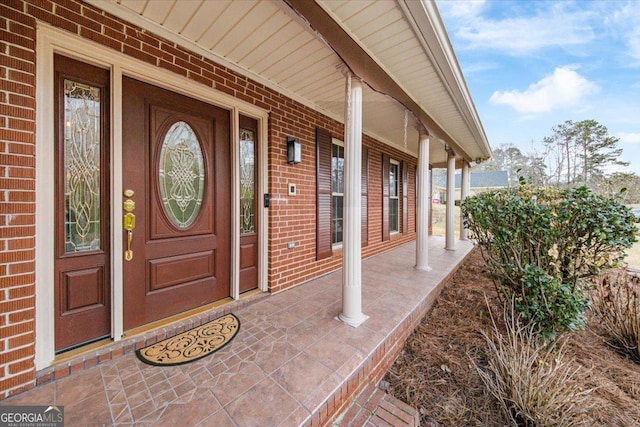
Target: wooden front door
point(176, 180)
point(248, 203)
point(82, 293)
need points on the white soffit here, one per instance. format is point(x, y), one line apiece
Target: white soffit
point(268, 42)
point(400, 36)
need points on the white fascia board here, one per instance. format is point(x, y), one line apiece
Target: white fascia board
point(428, 26)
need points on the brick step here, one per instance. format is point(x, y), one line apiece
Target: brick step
point(374, 407)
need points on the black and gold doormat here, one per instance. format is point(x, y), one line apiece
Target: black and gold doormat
point(193, 344)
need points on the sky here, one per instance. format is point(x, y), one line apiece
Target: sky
point(533, 64)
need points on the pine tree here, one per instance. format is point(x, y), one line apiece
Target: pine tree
point(578, 152)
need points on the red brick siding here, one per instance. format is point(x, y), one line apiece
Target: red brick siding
point(17, 207)
point(292, 219)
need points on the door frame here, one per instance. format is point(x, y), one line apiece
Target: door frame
point(50, 40)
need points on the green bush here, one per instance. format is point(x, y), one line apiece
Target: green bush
point(542, 243)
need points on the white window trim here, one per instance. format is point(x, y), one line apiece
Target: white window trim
point(50, 40)
point(396, 197)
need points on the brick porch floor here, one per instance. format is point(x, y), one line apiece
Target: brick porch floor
point(291, 363)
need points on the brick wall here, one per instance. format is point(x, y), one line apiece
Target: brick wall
point(17, 197)
point(291, 219)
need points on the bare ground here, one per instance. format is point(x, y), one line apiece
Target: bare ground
point(435, 371)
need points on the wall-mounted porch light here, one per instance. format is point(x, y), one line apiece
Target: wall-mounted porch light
point(294, 151)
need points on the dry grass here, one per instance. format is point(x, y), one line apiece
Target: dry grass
point(633, 255)
point(438, 217)
point(435, 373)
point(535, 385)
point(616, 303)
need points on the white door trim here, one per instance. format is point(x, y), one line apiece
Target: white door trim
point(50, 40)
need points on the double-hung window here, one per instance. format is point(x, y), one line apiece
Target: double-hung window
point(330, 186)
point(337, 192)
point(394, 196)
point(395, 201)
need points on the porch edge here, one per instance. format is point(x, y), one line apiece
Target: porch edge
point(373, 368)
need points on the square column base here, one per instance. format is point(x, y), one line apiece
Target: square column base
point(352, 321)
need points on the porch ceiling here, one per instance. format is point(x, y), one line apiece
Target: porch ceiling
point(287, 50)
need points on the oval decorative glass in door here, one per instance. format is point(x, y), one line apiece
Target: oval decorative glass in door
point(181, 174)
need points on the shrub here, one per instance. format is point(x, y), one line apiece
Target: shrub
point(550, 305)
point(534, 385)
point(616, 303)
point(542, 243)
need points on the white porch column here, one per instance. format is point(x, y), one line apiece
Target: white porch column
point(351, 245)
point(465, 182)
point(450, 242)
point(423, 204)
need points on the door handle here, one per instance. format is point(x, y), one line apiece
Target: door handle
point(129, 223)
point(128, 254)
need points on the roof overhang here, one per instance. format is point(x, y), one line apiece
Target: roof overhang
point(400, 49)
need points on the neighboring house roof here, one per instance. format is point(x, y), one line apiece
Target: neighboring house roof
point(493, 179)
point(399, 48)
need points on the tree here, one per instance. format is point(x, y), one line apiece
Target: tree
point(599, 149)
point(578, 152)
point(612, 185)
point(556, 149)
point(535, 170)
point(508, 157)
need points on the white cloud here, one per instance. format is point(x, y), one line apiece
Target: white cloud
point(564, 88)
point(624, 23)
point(465, 10)
point(556, 26)
point(480, 67)
point(629, 138)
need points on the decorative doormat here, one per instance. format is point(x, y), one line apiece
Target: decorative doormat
point(193, 344)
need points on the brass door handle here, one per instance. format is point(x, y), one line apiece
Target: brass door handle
point(128, 254)
point(129, 223)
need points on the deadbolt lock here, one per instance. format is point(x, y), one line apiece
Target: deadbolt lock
point(128, 193)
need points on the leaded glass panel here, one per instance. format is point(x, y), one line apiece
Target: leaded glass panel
point(247, 181)
point(81, 167)
point(181, 174)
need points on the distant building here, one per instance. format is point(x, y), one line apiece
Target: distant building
point(479, 183)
